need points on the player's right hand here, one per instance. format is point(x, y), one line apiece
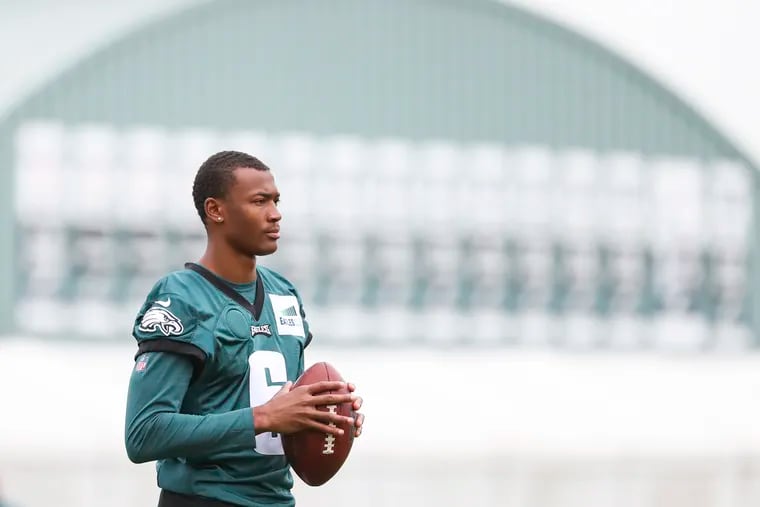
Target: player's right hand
point(292, 410)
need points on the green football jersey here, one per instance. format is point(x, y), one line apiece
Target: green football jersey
point(239, 361)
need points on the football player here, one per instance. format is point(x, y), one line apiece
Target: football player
point(220, 344)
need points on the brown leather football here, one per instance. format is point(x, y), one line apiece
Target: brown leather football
point(316, 456)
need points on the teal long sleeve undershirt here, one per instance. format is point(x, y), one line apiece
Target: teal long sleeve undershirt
point(156, 430)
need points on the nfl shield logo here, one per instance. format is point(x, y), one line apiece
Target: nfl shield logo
point(142, 363)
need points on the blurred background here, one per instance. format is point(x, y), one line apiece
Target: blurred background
point(527, 230)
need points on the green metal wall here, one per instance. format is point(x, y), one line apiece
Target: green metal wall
point(450, 69)
point(457, 70)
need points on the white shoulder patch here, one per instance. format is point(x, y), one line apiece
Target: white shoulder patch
point(287, 312)
point(158, 318)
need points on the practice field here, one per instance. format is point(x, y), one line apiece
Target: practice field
point(443, 428)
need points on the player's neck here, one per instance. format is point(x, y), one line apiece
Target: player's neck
point(228, 264)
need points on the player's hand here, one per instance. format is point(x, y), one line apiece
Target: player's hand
point(358, 417)
point(292, 410)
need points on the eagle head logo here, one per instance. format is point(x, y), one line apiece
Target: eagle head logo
point(159, 318)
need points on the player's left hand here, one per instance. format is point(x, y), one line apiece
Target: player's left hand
point(358, 417)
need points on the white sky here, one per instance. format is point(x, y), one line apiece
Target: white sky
point(705, 50)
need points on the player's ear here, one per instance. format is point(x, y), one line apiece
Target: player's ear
point(214, 210)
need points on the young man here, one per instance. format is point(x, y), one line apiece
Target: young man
point(219, 346)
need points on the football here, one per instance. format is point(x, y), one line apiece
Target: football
point(316, 456)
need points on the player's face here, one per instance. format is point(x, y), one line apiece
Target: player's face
point(252, 218)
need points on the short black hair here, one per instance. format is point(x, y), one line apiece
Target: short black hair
point(215, 176)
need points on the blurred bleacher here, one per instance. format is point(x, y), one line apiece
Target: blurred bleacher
point(427, 242)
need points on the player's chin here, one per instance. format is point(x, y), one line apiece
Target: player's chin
point(267, 247)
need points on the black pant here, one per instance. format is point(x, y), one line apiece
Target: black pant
point(172, 499)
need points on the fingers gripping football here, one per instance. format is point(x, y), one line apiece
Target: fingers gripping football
point(358, 416)
point(295, 409)
point(317, 453)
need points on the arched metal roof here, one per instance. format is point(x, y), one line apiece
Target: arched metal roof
point(429, 69)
